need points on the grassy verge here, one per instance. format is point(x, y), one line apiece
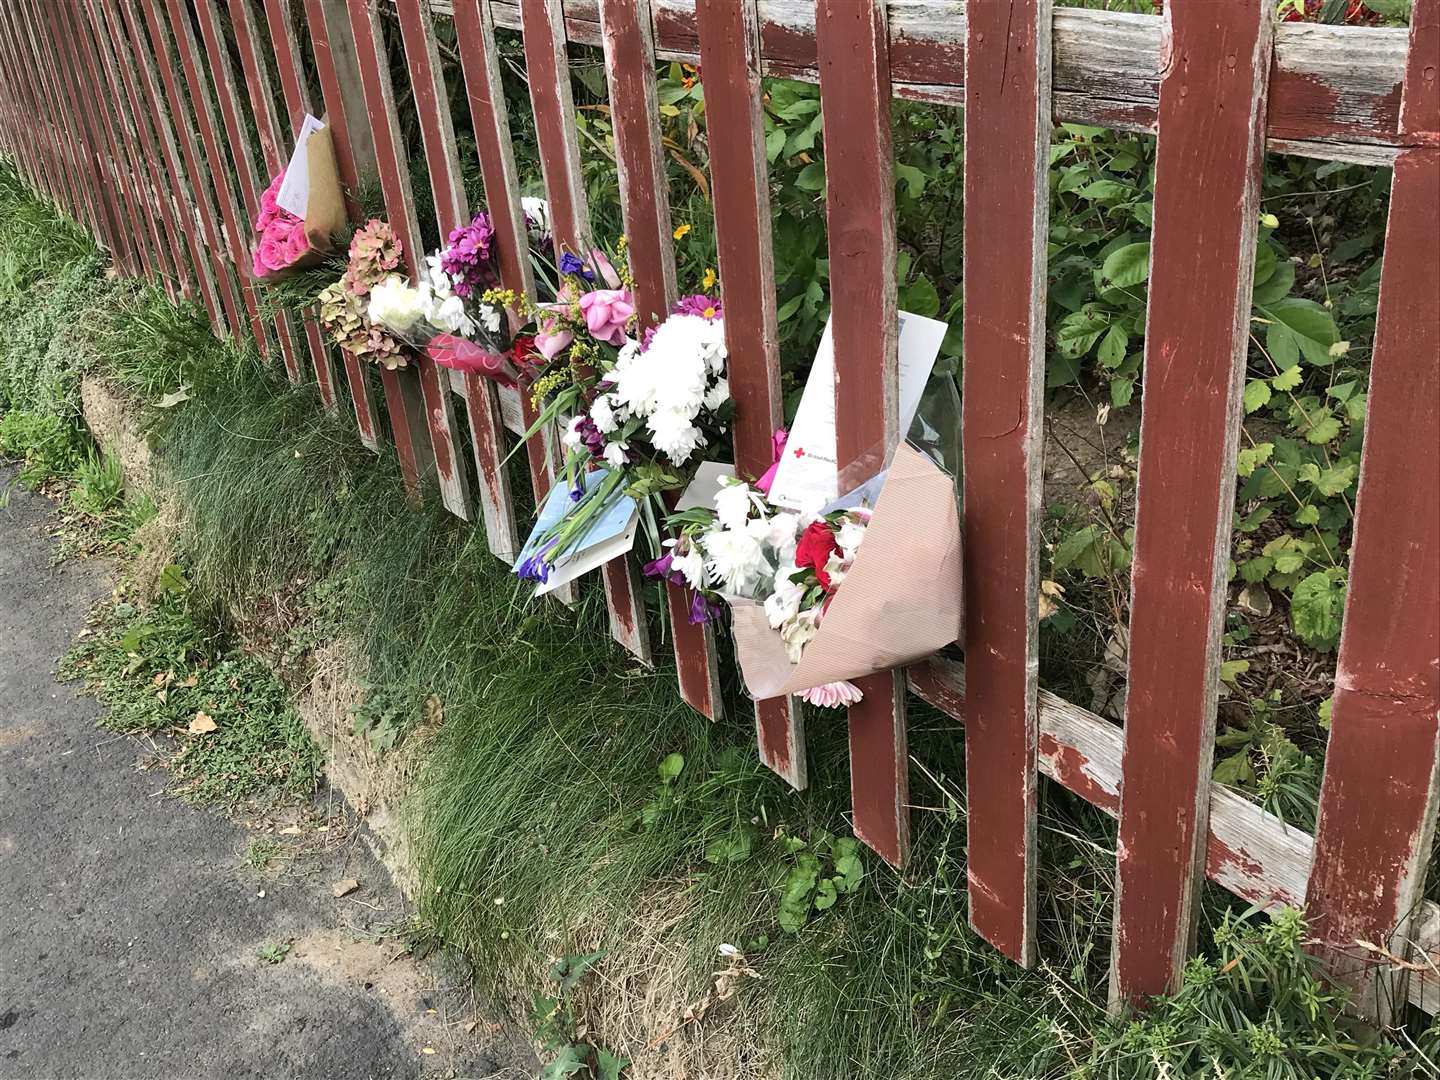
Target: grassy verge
point(616, 866)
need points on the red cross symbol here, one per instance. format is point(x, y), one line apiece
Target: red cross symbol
point(799, 451)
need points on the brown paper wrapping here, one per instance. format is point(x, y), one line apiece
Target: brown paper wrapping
point(324, 204)
point(900, 601)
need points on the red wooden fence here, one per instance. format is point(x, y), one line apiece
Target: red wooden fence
point(130, 116)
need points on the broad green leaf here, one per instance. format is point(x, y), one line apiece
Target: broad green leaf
point(774, 143)
point(1106, 191)
point(608, 1066)
point(1069, 549)
point(1335, 480)
point(920, 298)
point(1277, 285)
point(1121, 391)
point(1231, 670)
point(812, 177)
point(1257, 395)
point(671, 766)
point(825, 895)
point(1112, 347)
point(1078, 331)
point(1234, 770)
point(1252, 457)
point(1312, 327)
point(1127, 266)
point(913, 179)
point(1282, 345)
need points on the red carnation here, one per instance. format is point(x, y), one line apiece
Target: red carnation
point(813, 550)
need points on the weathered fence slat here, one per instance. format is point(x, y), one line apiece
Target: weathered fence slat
point(860, 217)
point(410, 419)
point(1207, 178)
point(42, 154)
point(554, 111)
point(204, 112)
point(206, 254)
point(730, 57)
point(142, 107)
point(242, 155)
point(1250, 852)
point(644, 197)
point(336, 69)
point(273, 152)
point(163, 247)
point(35, 99)
point(1371, 852)
point(452, 210)
point(95, 100)
point(1007, 199)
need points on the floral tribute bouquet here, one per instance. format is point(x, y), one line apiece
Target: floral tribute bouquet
point(287, 241)
point(826, 594)
point(638, 409)
point(456, 312)
point(344, 305)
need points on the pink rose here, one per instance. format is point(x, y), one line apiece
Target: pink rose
point(551, 344)
point(258, 267)
point(606, 312)
point(271, 251)
point(297, 243)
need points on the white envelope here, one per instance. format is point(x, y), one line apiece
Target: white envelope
point(294, 193)
point(807, 475)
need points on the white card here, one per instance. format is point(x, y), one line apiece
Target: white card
point(709, 479)
point(294, 191)
point(590, 558)
point(807, 475)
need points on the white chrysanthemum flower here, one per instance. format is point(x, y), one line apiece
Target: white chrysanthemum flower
point(717, 395)
point(670, 382)
point(602, 411)
point(674, 435)
point(732, 505)
point(395, 305)
point(736, 560)
point(784, 603)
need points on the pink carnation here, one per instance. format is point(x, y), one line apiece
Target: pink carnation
point(832, 695)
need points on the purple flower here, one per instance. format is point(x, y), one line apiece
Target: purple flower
point(647, 337)
point(536, 568)
point(578, 491)
point(571, 264)
point(699, 304)
point(660, 567)
point(702, 608)
point(469, 258)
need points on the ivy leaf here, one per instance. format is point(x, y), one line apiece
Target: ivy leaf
point(1257, 394)
point(1127, 266)
point(1316, 607)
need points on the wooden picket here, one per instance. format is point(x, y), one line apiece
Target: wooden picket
point(855, 96)
point(108, 112)
point(274, 153)
point(1207, 179)
point(1370, 852)
point(1007, 123)
point(730, 56)
point(645, 202)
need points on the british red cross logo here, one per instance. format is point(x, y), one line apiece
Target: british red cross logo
point(799, 451)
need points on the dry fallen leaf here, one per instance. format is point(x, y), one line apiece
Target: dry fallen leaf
point(291, 830)
point(202, 724)
point(344, 887)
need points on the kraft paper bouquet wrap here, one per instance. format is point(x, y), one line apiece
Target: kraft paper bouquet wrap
point(867, 583)
point(286, 240)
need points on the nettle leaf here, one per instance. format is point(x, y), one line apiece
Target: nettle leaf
point(1252, 457)
point(1257, 395)
point(1316, 607)
point(569, 1061)
point(1128, 265)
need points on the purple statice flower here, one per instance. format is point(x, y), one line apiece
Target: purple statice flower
point(702, 608)
point(572, 264)
point(699, 304)
point(469, 257)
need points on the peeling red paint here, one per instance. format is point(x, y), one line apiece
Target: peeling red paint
point(1068, 766)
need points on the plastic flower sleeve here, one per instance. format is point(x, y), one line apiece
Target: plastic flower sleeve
point(901, 600)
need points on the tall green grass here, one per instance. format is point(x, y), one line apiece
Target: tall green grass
point(541, 824)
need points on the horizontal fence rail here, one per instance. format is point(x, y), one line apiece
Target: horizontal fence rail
point(156, 123)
